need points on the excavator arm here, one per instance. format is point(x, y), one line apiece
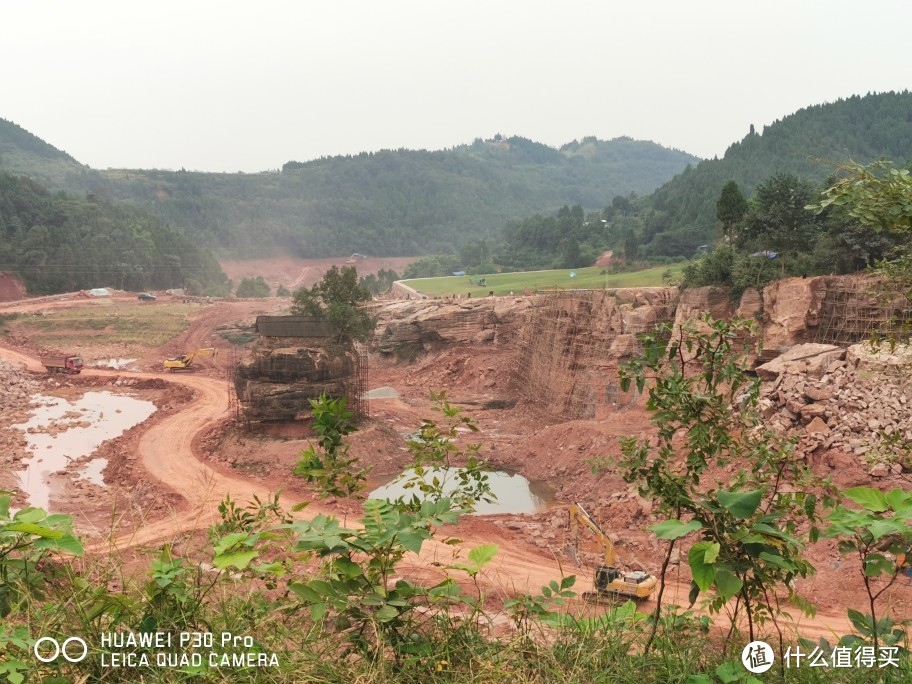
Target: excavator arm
point(579, 517)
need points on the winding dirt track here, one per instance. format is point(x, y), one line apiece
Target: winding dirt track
point(167, 453)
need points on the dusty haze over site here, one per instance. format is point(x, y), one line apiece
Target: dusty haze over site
point(216, 86)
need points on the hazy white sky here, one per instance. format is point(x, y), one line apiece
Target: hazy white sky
point(246, 86)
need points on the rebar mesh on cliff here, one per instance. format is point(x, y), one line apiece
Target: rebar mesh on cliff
point(857, 309)
point(567, 363)
point(277, 381)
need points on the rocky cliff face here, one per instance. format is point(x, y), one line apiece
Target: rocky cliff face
point(570, 343)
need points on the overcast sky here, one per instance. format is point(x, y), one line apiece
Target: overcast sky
point(246, 86)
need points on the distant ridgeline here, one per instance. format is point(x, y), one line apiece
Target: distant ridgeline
point(506, 191)
point(384, 203)
point(396, 202)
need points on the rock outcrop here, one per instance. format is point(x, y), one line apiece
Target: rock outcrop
point(409, 327)
point(792, 311)
point(277, 381)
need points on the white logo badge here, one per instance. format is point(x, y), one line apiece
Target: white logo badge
point(757, 657)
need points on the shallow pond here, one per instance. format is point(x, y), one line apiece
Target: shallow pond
point(77, 429)
point(515, 494)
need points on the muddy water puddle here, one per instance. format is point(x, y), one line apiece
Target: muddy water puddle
point(515, 494)
point(114, 364)
point(61, 431)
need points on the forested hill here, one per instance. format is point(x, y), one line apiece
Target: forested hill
point(60, 243)
point(681, 215)
point(23, 154)
point(382, 203)
point(396, 202)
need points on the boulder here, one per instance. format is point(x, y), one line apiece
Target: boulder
point(810, 358)
point(864, 356)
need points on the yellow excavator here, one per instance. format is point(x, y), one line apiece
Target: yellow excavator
point(610, 580)
point(185, 361)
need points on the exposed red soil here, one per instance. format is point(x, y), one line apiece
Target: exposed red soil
point(11, 287)
point(294, 273)
point(186, 458)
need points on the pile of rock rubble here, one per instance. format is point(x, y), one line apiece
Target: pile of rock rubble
point(16, 391)
point(855, 400)
point(16, 388)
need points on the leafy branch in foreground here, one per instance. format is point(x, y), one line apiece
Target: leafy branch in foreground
point(880, 534)
point(704, 405)
point(327, 464)
point(435, 472)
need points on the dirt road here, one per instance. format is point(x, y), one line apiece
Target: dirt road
point(168, 452)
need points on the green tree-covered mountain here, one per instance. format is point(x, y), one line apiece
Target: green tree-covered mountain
point(396, 202)
point(23, 154)
point(382, 203)
point(681, 215)
point(58, 243)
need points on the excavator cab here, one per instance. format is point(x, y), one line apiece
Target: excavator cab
point(604, 576)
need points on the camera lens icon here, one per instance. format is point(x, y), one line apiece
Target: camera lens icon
point(69, 652)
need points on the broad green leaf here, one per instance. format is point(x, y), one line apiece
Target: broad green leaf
point(899, 500)
point(727, 583)
point(778, 561)
point(30, 515)
point(702, 570)
point(387, 613)
point(32, 528)
point(740, 504)
point(674, 529)
point(881, 528)
point(318, 611)
point(729, 672)
point(712, 552)
point(868, 498)
point(347, 567)
point(305, 592)
point(877, 564)
point(67, 544)
point(482, 555)
point(239, 559)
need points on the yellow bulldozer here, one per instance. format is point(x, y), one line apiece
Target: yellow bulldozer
point(185, 361)
point(610, 580)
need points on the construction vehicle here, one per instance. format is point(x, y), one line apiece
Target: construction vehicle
point(62, 364)
point(610, 580)
point(185, 361)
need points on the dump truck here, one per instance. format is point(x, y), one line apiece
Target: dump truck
point(185, 361)
point(62, 364)
point(610, 580)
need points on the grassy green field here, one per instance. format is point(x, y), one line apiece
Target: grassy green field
point(505, 283)
point(138, 325)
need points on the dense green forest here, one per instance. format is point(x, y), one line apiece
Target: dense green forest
point(384, 203)
point(59, 243)
point(23, 154)
point(681, 215)
point(394, 202)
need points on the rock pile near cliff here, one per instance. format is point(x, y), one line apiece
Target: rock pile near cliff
point(853, 400)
